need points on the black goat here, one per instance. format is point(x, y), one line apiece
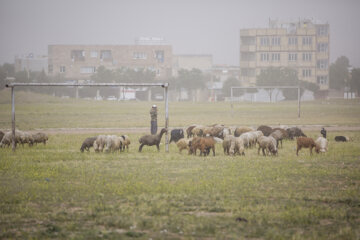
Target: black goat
point(176, 135)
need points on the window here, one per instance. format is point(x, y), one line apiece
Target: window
point(105, 55)
point(307, 40)
point(275, 57)
point(306, 73)
point(306, 57)
point(139, 55)
point(322, 80)
point(292, 57)
point(88, 70)
point(94, 54)
point(275, 41)
point(159, 55)
point(293, 41)
point(50, 68)
point(247, 56)
point(322, 30)
point(77, 55)
point(248, 40)
point(322, 64)
point(264, 57)
point(322, 47)
point(264, 41)
point(62, 69)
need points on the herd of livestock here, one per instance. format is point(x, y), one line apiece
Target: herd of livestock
point(198, 137)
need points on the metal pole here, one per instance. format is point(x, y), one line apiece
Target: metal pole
point(298, 102)
point(166, 118)
point(13, 117)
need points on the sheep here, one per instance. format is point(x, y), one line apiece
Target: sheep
point(304, 142)
point(1, 135)
point(240, 130)
point(267, 143)
point(112, 143)
point(189, 130)
point(204, 144)
point(176, 134)
point(285, 134)
point(151, 140)
point(224, 132)
point(278, 136)
point(40, 138)
point(321, 145)
point(26, 137)
point(125, 142)
point(183, 143)
point(246, 139)
point(295, 132)
point(87, 144)
point(342, 139)
point(237, 146)
point(227, 143)
point(266, 130)
point(99, 143)
point(198, 131)
point(7, 138)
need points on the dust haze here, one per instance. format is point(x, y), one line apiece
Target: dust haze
point(191, 27)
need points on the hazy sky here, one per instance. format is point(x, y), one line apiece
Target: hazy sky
point(190, 26)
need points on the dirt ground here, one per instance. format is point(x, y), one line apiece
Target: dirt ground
point(147, 130)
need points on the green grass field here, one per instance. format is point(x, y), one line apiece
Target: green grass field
point(54, 191)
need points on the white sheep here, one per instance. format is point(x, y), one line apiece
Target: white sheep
point(237, 146)
point(99, 143)
point(113, 143)
point(321, 145)
point(268, 144)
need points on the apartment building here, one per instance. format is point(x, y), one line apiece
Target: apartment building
point(79, 62)
point(302, 45)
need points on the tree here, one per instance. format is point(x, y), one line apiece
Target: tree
point(338, 73)
point(191, 80)
point(230, 82)
point(355, 80)
point(277, 76)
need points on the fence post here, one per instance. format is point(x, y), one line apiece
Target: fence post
point(298, 102)
point(13, 117)
point(166, 85)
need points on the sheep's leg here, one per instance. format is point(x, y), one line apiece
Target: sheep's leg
point(259, 150)
point(263, 151)
point(297, 150)
point(158, 148)
point(140, 148)
point(311, 150)
point(213, 149)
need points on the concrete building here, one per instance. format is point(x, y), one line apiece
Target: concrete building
point(203, 62)
point(31, 63)
point(81, 61)
point(303, 45)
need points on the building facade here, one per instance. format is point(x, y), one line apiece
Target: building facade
point(79, 62)
point(31, 63)
point(302, 45)
point(189, 61)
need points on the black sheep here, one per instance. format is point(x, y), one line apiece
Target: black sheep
point(87, 144)
point(295, 132)
point(341, 139)
point(176, 135)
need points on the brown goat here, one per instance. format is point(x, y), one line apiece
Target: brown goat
point(189, 131)
point(151, 140)
point(305, 142)
point(204, 144)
